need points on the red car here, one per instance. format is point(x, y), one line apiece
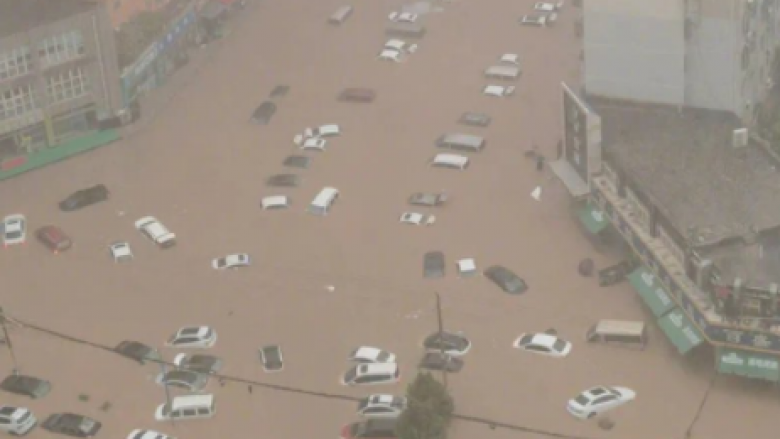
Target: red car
point(372, 428)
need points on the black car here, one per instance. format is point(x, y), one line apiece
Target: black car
point(506, 279)
point(72, 425)
point(26, 385)
point(84, 198)
point(200, 363)
point(433, 265)
point(452, 343)
point(263, 114)
point(284, 180)
point(439, 361)
point(297, 161)
point(279, 91)
point(272, 358)
point(137, 351)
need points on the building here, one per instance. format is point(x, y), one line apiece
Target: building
point(59, 77)
point(711, 54)
point(697, 206)
point(122, 11)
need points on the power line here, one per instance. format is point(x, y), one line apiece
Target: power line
point(334, 396)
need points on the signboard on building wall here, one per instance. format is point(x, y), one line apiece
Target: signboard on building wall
point(582, 135)
point(733, 337)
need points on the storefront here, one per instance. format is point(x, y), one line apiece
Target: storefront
point(592, 218)
point(651, 291)
point(681, 331)
point(748, 364)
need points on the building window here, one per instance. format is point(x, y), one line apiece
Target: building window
point(61, 48)
point(671, 245)
point(15, 63)
point(67, 85)
point(16, 102)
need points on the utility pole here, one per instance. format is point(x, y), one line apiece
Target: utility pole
point(167, 393)
point(441, 334)
point(8, 341)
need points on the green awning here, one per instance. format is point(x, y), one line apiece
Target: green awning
point(593, 218)
point(681, 332)
point(749, 364)
point(653, 294)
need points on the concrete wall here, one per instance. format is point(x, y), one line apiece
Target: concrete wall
point(714, 65)
point(635, 50)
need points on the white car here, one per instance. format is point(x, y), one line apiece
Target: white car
point(401, 46)
point(328, 130)
point(511, 59)
point(544, 344)
point(403, 17)
point(121, 252)
point(382, 406)
point(538, 20)
point(16, 421)
point(548, 7)
point(368, 354)
point(148, 434)
point(417, 219)
point(237, 260)
point(14, 229)
point(391, 55)
point(275, 202)
point(498, 91)
point(311, 143)
point(598, 400)
point(193, 337)
point(155, 231)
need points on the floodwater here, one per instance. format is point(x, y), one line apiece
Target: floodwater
point(200, 168)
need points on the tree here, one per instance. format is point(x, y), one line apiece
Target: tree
point(137, 34)
point(429, 411)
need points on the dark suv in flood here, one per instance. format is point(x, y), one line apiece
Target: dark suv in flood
point(85, 197)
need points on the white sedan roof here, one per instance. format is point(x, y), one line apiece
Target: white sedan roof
point(314, 142)
point(393, 54)
point(510, 58)
point(367, 352)
point(467, 266)
point(417, 218)
point(403, 16)
point(14, 223)
point(275, 201)
point(121, 250)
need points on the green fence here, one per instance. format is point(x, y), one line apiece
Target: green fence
point(18, 165)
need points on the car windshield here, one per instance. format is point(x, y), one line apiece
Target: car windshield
point(363, 403)
point(582, 400)
point(24, 417)
point(383, 356)
point(350, 375)
point(189, 331)
point(87, 425)
point(559, 345)
point(14, 235)
point(526, 339)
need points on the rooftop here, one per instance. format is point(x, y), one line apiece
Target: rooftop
point(686, 164)
point(21, 15)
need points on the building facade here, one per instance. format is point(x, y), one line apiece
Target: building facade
point(711, 54)
point(122, 11)
point(59, 76)
point(688, 275)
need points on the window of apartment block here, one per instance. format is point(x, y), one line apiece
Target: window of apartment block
point(60, 48)
point(641, 214)
point(671, 245)
point(15, 63)
point(67, 85)
point(16, 102)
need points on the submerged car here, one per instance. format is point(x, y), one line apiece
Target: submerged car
point(498, 91)
point(272, 359)
point(26, 385)
point(452, 343)
point(137, 351)
point(433, 265)
point(368, 354)
point(70, 424)
point(200, 363)
point(237, 260)
point(442, 362)
point(541, 343)
point(284, 180)
point(193, 337)
point(417, 219)
point(148, 434)
point(16, 421)
point(475, 119)
point(121, 252)
point(506, 279)
point(84, 198)
point(402, 17)
point(184, 379)
point(427, 199)
point(263, 114)
point(382, 406)
point(598, 400)
point(14, 230)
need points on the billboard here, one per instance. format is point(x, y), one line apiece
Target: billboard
point(581, 135)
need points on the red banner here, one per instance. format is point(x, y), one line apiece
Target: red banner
point(14, 162)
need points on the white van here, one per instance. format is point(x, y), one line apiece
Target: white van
point(323, 201)
point(618, 332)
point(187, 407)
point(156, 231)
point(461, 142)
point(275, 202)
point(341, 15)
point(452, 161)
point(372, 373)
point(510, 73)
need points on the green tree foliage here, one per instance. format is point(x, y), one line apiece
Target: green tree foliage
point(137, 34)
point(429, 412)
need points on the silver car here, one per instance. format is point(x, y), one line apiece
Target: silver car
point(185, 379)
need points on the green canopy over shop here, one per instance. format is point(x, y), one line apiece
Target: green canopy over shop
point(593, 218)
point(680, 330)
point(749, 364)
point(651, 291)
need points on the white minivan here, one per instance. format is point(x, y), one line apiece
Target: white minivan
point(452, 161)
point(324, 201)
point(187, 407)
point(509, 73)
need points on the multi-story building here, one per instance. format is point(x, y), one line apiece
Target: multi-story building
point(698, 208)
point(711, 54)
point(59, 77)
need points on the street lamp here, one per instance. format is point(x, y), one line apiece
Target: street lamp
point(441, 337)
point(8, 341)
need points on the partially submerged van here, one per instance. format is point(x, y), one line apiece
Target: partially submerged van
point(341, 15)
point(324, 201)
point(618, 332)
point(187, 407)
point(409, 30)
point(461, 142)
point(509, 73)
point(452, 161)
